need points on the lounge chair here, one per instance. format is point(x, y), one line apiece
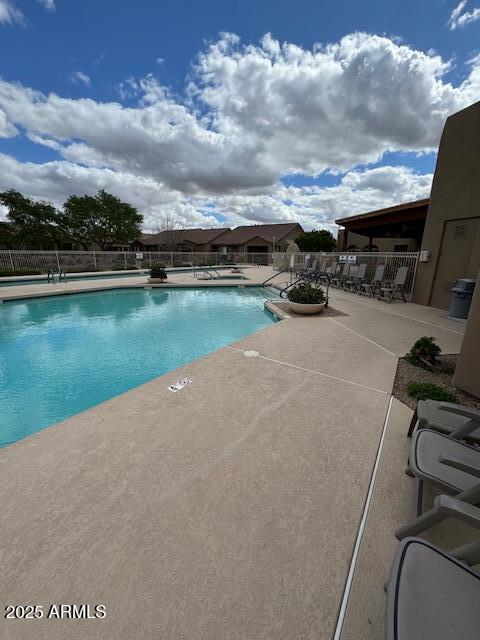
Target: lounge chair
point(390, 291)
point(327, 273)
point(432, 595)
point(350, 279)
point(340, 278)
point(455, 420)
point(308, 267)
point(450, 465)
point(356, 279)
point(370, 288)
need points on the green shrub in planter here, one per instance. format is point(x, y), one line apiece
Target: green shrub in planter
point(158, 271)
point(424, 353)
point(306, 294)
point(428, 391)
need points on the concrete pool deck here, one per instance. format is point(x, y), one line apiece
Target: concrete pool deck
point(254, 276)
point(231, 508)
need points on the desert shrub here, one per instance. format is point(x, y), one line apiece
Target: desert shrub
point(424, 353)
point(306, 294)
point(428, 391)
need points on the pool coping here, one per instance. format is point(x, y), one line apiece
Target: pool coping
point(78, 275)
point(50, 294)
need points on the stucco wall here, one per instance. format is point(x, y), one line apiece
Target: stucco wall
point(467, 372)
point(455, 196)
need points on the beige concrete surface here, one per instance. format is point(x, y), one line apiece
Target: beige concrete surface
point(396, 326)
point(391, 508)
point(227, 510)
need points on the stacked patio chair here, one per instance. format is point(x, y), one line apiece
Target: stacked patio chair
point(356, 279)
point(370, 288)
point(389, 291)
point(431, 593)
point(441, 429)
point(446, 462)
point(447, 418)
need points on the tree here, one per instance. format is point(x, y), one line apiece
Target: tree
point(100, 220)
point(30, 224)
point(321, 240)
point(171, 232)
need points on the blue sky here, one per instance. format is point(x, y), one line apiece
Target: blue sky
point(232, 145)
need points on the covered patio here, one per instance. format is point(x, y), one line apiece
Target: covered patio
point(404, 221)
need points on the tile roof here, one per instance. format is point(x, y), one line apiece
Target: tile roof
point(195, 236)
point(266, 232)
point(398, 207)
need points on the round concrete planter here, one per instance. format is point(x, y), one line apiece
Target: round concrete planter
point(306, 309)
point(157, 280)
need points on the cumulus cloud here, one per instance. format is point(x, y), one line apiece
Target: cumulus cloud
point(312, 206)
point(48, 4)
point(251, 115)
point(315, 206)
point(9, 14)
point(81, 77)
point(460, 17)
point(55, 181)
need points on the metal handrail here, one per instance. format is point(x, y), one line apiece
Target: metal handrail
point(213, 273)
point(274, 276)
point(317, 277)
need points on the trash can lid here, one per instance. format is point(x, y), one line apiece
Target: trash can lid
point(465, 285)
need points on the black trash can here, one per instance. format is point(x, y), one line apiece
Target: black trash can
point(461, 298)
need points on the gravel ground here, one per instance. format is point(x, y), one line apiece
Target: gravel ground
point(407, 373)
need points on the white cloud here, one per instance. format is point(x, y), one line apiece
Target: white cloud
point(9, 14)
point(460, 18)
point(312, 206)
point(80, 76)
point(48, 4)
point(252, 115)
point(7, 129)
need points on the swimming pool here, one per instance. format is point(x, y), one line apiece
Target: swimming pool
point(62, 354)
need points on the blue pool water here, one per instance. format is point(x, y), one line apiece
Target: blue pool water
point(62, 354)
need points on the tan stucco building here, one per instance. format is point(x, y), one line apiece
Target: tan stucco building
point(452, 227)
point(445, 228)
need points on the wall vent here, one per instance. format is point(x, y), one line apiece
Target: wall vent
point(460, 231)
